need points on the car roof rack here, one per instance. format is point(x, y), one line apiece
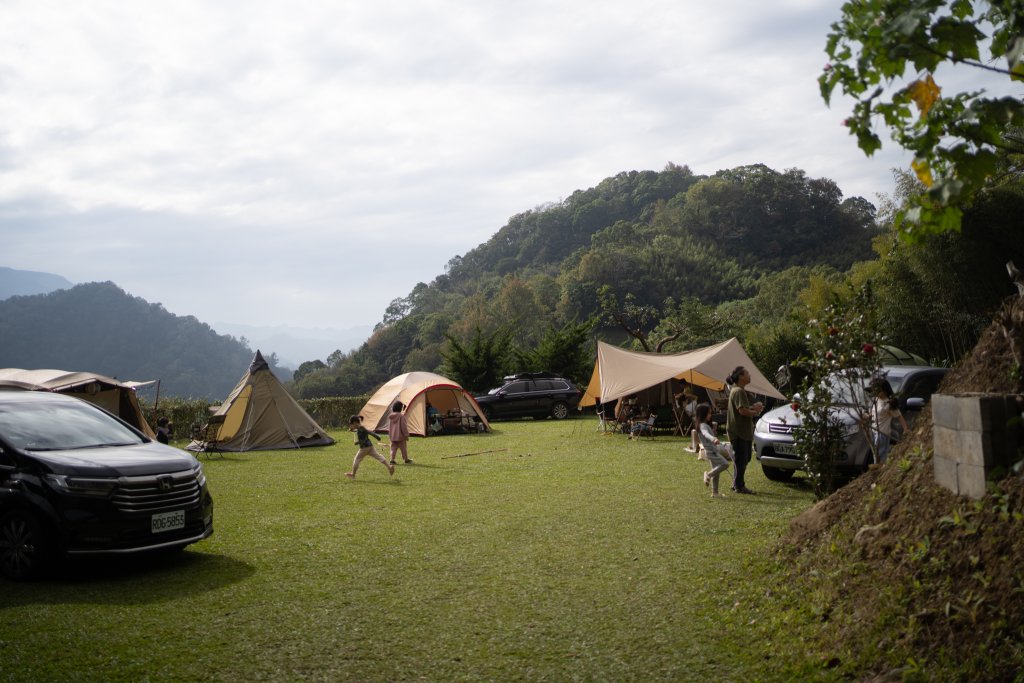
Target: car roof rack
point(530, 375)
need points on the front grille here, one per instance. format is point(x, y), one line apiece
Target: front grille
point(158, 493)
point(779, 428)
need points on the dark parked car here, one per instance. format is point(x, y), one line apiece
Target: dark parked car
point(775, 447)
point(531, 395)
point(75, 480)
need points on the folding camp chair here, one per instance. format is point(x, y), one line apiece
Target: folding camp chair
point(205, 437)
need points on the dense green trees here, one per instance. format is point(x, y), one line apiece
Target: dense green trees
point(655, 237)
point(735, 254)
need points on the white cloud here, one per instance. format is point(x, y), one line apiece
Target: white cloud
point(268, 162)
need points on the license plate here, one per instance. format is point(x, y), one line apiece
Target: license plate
point(168, 521)
point(786, 448)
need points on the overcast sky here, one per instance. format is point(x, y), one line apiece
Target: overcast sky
point(306, 162)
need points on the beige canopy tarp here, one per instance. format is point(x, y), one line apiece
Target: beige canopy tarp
point(261, 415)
point(415, 390)
point(620, 372)
point(112, 395)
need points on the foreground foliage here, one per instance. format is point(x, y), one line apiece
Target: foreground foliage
point(959, 139)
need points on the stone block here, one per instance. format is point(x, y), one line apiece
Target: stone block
point(945, 472)
point(973, 435)
point(960, 478)
point(976, 412)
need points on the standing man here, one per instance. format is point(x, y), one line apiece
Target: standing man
point(740, 425)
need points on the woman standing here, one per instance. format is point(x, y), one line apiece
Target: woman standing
point(740, 425)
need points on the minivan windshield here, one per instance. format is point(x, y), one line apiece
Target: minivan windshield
point(64, 425)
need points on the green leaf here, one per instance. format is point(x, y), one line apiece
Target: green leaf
point(959, 39)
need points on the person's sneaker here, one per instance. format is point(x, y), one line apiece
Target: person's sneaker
point(746, 491)
point(718, 495)
point(392, 463)
point(707, 479)
point(350, 475)
point(689, 450)
point(408, 462)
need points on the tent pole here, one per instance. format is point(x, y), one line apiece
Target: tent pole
point(156, 401)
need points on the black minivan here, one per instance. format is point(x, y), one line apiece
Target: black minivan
point(76, 480)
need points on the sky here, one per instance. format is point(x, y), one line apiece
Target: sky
point(304, 163)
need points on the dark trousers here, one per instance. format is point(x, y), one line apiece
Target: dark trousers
point(742, 449)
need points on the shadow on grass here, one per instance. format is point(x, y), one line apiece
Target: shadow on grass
point(127, 580)
point(220, 458)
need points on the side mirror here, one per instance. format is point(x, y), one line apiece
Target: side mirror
point(915, 403)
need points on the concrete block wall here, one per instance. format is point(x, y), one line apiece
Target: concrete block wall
point(974, 434)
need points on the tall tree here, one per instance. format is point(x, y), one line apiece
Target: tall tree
point(479, 364)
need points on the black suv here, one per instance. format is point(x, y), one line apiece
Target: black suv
point(531, 394)
point(76, 480)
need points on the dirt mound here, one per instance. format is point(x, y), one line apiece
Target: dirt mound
point(917, 582)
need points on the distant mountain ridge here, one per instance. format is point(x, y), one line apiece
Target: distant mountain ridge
point(292, 345)
point(27, 282)
point(98, 327)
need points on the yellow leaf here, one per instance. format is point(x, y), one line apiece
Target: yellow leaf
point(924, 173)
point(924, 94)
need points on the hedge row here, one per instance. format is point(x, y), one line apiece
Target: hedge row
point(188, 415)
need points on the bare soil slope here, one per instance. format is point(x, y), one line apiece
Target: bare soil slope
point(911, 582)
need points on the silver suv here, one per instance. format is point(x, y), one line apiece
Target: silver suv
point(776, 449)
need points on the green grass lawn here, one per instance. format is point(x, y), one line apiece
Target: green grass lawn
point(564, 554)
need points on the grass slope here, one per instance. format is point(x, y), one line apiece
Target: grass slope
point(562, 554)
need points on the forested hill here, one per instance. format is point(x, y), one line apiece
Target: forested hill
point(660, 238)
point(97, 327)
point(751, 216)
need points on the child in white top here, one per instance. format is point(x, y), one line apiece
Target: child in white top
point(719, 454)
point(885, 409)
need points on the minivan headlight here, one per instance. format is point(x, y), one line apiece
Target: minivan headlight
point(200, 475)
point(81, 486)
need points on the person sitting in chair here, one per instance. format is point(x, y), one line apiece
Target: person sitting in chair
point(643, 427)
point(434, 425)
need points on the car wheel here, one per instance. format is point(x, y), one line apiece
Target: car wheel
point(560, 410)
point(24, 546)
point(777, 473)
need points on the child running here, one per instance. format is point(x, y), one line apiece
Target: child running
point(718, 454)
point(355, 424)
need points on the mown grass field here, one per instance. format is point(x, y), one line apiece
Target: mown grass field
point(562, 554)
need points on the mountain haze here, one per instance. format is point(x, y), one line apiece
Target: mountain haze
point(23, 282)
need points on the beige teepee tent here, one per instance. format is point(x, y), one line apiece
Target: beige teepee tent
point(619, 372)
point(458, 410)
point(260, 415)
